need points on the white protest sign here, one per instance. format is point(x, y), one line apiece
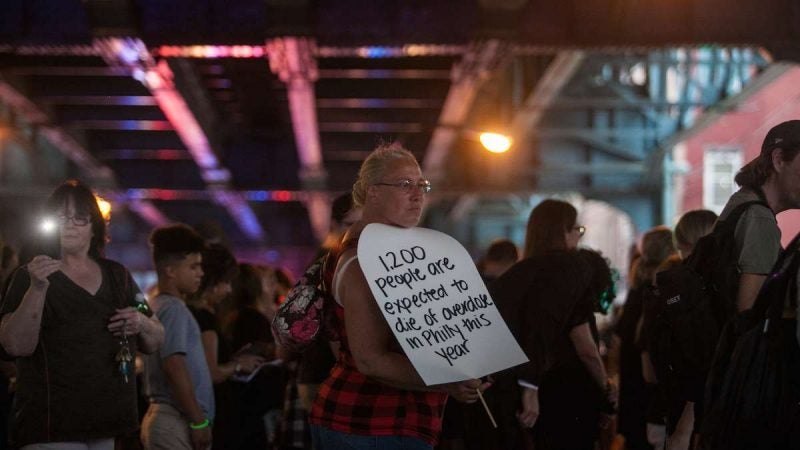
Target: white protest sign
point(436, 304)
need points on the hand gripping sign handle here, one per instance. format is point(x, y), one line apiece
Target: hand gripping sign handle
point(486, 407)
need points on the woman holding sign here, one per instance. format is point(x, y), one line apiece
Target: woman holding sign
point(548, 302)
point(373, 397)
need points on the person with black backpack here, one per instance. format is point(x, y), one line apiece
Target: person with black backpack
point(724, 274)
point(637, 409)
point(679, 411)
point(758, 401)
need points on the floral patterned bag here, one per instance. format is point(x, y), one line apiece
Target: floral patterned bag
point(301, 317)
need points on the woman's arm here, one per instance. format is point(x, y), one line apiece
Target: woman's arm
point(148, 330)
point(19, 330)
point(182, 389)
point(370, 338)
point(749, 285)
point(151, 334)
point(648, 371)
point(586, 349)
point(221, 372)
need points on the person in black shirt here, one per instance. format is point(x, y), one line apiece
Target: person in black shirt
point(635, 395)
point(73, 320)
point(219, 269)
point(500, 256)
point(250, 332)
point(547, 303)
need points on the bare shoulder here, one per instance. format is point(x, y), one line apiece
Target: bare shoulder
point(354, 287)
point(348, 261)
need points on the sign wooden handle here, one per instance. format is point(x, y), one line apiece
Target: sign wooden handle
point(486, 407)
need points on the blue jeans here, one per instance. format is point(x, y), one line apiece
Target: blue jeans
point(327, 439)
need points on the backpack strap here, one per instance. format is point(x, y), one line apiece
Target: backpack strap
point(703, 257)
point(332, 260)
point(780, 282)
point(337, 277)
point(730, 222)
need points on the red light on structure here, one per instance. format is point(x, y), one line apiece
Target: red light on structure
point(282, 196)
point(165, 194)
point(169, 51)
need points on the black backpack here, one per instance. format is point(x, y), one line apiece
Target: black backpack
point(757, 401)
point(693, 301)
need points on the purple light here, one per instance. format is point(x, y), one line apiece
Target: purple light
point(241, 212)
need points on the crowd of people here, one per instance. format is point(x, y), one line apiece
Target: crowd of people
point(194, 364)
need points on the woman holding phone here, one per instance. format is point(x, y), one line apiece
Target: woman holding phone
point(74, 323)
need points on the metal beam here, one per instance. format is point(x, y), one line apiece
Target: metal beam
point(386, 74)
point(163, 154)
point(68, 145)
point(63, 71)
point(72, 149)
point(467, 76)
point(604, 146)
point(122, 125)
point(99, 100)
point(620, 168)
point(379, 103)
point(372, 127)
point(635, 101)
point(616, 53)
point(159, 79)
point(614, 103)
point(293, 60)
point(346, 155)
point(625, 132)
point(557, 75)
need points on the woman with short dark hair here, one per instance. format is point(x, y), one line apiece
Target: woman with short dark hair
point(74, 320)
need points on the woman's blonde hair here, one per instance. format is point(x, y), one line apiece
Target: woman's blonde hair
point(692, 226)
point(657, 245)
point(373, 168)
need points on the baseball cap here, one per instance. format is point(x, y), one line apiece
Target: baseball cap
point(784, 135)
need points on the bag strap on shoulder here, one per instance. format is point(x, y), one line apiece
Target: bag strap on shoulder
point(780, 281)
point(332, 259)
point(732, 220)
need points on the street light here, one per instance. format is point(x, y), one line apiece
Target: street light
point(495, 142)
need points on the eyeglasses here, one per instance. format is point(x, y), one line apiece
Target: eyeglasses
point(580, 229)
point(78, 221)
point(408, 186)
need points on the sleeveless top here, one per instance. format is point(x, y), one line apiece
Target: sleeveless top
point(350, 402)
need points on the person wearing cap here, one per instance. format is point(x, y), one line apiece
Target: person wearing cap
point(774, 178)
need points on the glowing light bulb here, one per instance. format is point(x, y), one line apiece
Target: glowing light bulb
point(495, 142)
point(105, 207)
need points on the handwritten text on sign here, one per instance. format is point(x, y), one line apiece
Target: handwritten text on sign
point(436, 303)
